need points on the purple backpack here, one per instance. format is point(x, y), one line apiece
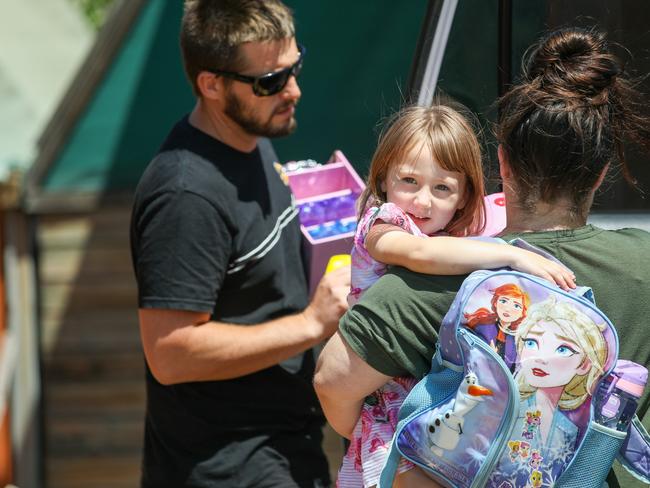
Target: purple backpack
point(508, 400)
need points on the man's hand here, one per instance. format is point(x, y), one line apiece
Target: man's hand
point(329, 302)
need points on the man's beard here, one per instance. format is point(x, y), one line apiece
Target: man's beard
point(253, 125)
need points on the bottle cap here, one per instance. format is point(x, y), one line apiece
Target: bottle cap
point(632, 377)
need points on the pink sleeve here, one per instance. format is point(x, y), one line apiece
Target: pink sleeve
point(391, 214)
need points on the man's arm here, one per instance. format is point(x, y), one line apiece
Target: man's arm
point(342, 381)
point(183, 346)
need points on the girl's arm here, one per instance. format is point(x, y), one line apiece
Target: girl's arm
point(444, 255)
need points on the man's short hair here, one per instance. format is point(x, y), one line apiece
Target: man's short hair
point(213, 30)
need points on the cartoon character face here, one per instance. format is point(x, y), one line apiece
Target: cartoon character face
point(514, 449)
point(524, 449)
point(549, 358)
point(429, 194)
point(535, 459)
point(536, 479)
point(471, 378)
point(531, 424)
point(533, 419)
point(509, 309)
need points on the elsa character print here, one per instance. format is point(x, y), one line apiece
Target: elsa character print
point(561, 354)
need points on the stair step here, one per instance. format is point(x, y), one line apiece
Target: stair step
point(101, 435)
point(99, 366)
point(96, 471)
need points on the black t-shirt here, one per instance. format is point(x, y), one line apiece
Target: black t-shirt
point(215, 230)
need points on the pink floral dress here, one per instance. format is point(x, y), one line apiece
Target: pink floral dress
point(374, 431)
point(365, 269)
point(372, 436)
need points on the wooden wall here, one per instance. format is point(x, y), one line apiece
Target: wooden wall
point(93, 373)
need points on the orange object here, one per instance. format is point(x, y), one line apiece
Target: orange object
point(6, 462)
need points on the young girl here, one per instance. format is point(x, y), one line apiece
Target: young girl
point(425, 179)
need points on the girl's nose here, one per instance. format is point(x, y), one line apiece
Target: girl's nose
point(424, 200)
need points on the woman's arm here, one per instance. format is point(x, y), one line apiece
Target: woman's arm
point(342, 381)
point(414, 478)
point(444, 255)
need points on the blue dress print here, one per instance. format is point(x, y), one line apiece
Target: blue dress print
point(508, 350)
point(527, 453)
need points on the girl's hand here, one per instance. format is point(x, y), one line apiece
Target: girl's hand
point(533, 263)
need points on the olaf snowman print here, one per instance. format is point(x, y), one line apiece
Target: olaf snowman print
point(446, 427)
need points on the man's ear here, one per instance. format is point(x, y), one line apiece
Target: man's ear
point(504, 165)
point(209, 85)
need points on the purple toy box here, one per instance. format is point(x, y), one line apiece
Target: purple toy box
point(326, 196)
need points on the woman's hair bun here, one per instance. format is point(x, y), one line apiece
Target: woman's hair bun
point(574, 60)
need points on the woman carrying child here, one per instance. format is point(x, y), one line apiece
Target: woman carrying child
point(560, 130)
point(424, 193)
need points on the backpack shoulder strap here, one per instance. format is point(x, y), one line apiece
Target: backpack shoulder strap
point(583, 291)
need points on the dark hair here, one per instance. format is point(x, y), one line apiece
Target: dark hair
point(568, 118)
point(213, 30)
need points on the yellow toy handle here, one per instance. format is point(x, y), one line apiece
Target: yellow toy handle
point(337, 261)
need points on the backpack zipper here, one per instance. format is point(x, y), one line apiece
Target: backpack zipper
point(509, 419)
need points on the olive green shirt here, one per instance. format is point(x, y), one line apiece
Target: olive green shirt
point(394, 326)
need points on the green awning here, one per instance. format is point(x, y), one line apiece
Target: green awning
point(356, 70)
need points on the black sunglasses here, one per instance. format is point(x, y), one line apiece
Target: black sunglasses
point(269, 83)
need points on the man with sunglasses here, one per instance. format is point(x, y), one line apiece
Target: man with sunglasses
point(226, 324)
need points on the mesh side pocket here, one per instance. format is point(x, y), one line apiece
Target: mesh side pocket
point(430, 391)
point(593, 461)
point(635, 453)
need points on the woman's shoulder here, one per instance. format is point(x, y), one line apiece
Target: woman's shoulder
point(631, 233)
point(625, 240)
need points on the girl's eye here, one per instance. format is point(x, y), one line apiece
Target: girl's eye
point(518, 306)
point(409, 180)
point(530, 344)
point(565, 351)
point(442, 188)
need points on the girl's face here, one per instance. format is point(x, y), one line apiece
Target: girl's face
point(549, 358)
point(509, 309)
point(429, 194)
